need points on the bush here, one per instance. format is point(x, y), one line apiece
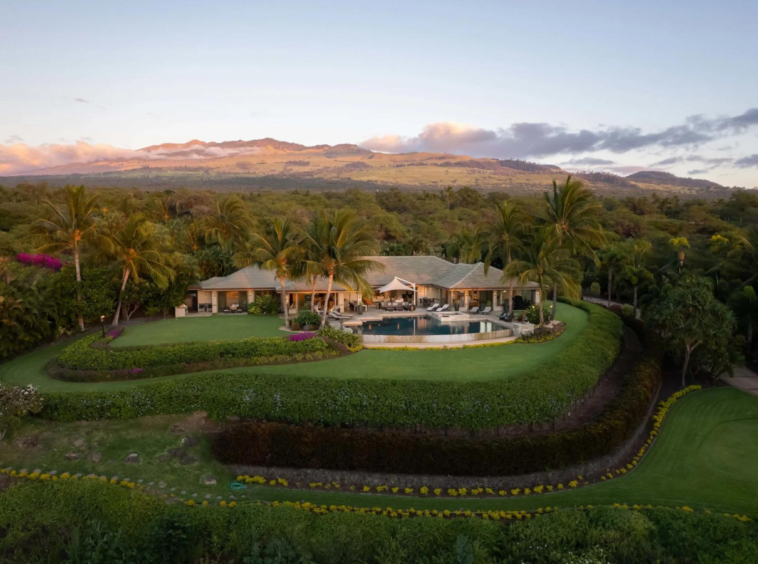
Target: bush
point(595, 289)
point(627, 310)
point(82, 355)
point(88, 521)
point(290, 446)
point(307, 317)
point(532, 313)
point(264, 305)
point(352, 341)
point(542, 396)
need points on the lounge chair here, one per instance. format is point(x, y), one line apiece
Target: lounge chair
point(338, 315)
point(506, 316)
point(474, 309)
point(443, 308)
point(486, 311)
point(433, 308)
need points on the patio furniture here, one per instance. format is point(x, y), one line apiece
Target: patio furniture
point(474, 309)
point(433, 308)
point(486, 311)
point(443, 308)
point(506, 316)
point(337, 315)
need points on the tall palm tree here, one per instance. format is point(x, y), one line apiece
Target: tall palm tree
point(572, 218)
point(546, 262)
point(313, 238)
point(231, 223)
point(344, 249)
point(504, 236)
point(137, 251)
point(67, 227)
point(612, 257)
point(275, 248)
point(634, 271)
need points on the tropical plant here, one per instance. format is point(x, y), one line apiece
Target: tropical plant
point(230, 224)
point(546, 262)
point(572, 220)
point(313, 239)
point(276, 248)
point(344, 249)
point(634, 271)
point(744, 304)
point(680, 246)
point(137, 251)
point(504, 237)
point(612, 257)
point(15, 403)
point(691, 318)
point(264, 305)
point(67, 227)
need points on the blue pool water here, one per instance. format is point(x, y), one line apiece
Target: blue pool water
point(425, 326)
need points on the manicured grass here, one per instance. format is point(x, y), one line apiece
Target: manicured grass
point(189, 329)
point(149, 437)
point(474, 364)
point(705, 458)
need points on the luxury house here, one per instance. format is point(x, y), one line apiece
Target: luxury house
point(416, 279)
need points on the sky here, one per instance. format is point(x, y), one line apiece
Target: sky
point(589, 85)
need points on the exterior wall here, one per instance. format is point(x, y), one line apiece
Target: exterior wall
point(401, 339)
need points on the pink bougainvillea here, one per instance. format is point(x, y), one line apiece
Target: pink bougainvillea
point(301, 337)
point(44, 261)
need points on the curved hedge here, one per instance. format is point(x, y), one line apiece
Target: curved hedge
point(82, 355)
point(291, 446)
point(541, 396)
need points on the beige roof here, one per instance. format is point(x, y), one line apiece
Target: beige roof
point(421, 270)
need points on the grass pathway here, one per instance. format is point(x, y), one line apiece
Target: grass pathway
point(476, 364)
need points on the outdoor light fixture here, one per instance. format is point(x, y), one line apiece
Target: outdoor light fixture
point(102, 324)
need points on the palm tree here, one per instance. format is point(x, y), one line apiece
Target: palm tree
point(572, 219)
point(231, 222)
point(546, 262)
point(313, 239)
point(275, 248)
point(634, 271)
point(138, 253)
point(680, 245)
point(66, 228)
point(504, 237)
point(744, 304)
point(344, 248)
point(611, 258)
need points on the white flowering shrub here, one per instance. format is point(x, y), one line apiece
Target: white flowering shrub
point(16, 403)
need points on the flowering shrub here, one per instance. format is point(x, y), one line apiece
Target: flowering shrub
point(15, 403)
point(297, 337)
point(308, 318)
point(41, 260)
point(352, 341)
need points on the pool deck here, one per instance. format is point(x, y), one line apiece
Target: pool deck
point(373, 314)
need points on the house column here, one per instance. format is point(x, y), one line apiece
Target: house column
point(214, 302)
point(465, 299)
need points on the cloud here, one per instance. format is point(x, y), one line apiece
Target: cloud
point(710, 162)
point(523, 140)
point(20, 157)
point(589, 161)
point(13, 139)
point(697, 171)
point(82, 101)
point(747, 162)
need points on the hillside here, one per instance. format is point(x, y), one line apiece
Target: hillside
point(272, 164)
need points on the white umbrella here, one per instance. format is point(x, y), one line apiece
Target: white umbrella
point(396, 284)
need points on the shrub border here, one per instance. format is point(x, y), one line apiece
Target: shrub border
point(532, 398)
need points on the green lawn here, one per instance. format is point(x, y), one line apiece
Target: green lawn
point(188, 329)
point(705, 457)
point(474, 364)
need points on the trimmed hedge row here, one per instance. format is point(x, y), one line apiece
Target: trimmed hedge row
point(82, 355)
point(541, 396)
point(290, 446)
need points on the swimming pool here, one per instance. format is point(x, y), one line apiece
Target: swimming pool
point(426, 329)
